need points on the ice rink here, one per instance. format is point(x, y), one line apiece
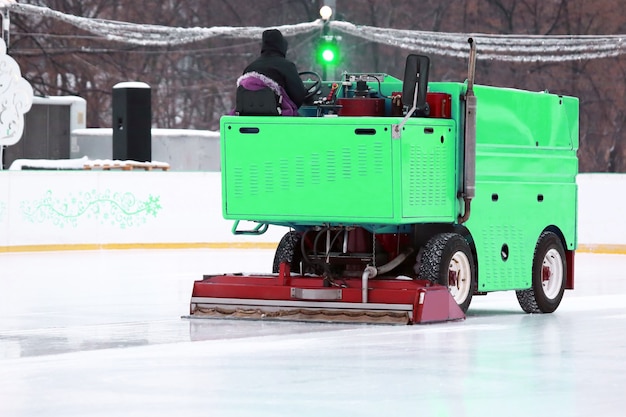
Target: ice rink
point(100, 333)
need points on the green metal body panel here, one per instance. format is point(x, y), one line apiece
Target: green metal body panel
point(526, 169)
point(306, 171)
point(344, 170)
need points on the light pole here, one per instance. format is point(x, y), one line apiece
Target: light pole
point(327, 48)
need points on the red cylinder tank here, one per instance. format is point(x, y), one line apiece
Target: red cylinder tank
point(361, 106)
point(440, 105)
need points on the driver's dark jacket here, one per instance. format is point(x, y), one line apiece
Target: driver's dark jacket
point(273, 64)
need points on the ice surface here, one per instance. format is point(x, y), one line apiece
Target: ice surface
point(99, 333)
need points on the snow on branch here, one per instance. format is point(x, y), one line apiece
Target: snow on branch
point(157, 35)
point(513, 48)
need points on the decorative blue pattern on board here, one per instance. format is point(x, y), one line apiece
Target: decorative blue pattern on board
point(121, 209)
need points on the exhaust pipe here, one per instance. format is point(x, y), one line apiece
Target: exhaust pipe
point(469, 160)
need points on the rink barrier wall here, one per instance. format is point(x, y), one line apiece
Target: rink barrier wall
point(115, 210)
point(121, 246)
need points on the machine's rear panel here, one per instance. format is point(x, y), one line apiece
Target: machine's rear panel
point(338, 169)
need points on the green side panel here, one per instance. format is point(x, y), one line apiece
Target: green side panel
point(508, 219)
point(511, 117)
point(526, 169)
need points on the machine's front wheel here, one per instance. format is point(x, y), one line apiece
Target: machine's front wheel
point(288, 250)
point(447, 260)
point(549, 276)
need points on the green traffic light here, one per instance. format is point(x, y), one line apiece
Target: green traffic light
point(328, 52)
point(328, 55)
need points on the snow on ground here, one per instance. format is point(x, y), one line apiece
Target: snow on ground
point(99, 333)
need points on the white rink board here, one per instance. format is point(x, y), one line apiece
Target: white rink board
point(114, 207)
point(52, 208)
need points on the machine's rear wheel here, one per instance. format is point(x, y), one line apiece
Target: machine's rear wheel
point(549, 276)
point(288, 250)
point(447, 260)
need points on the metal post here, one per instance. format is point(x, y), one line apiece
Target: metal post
point(325, 31)
point(328, 70)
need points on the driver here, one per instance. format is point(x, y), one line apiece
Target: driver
point(273, 70)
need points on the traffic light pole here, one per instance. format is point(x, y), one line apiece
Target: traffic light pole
point(327, 52)
point(325, 31)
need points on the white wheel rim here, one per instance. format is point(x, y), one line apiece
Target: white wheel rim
point(552, 274)
point(459, 277)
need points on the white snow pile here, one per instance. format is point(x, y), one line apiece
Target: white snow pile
point(84, 163)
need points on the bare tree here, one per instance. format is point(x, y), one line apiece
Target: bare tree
point(194, 84)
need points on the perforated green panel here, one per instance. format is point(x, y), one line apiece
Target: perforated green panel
point(311, 171)
point(346, 170)
point(429, 174)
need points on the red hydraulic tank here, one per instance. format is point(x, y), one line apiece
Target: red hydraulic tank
point(361, 106)
point(440, 105)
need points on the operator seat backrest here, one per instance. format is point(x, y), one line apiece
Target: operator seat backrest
point(263, 102)
point(416, 76)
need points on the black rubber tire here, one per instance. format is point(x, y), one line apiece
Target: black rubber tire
point(288, 250)
point(545, 296)
point(445, 252)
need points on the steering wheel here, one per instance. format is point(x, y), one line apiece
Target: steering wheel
point(315, 87)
